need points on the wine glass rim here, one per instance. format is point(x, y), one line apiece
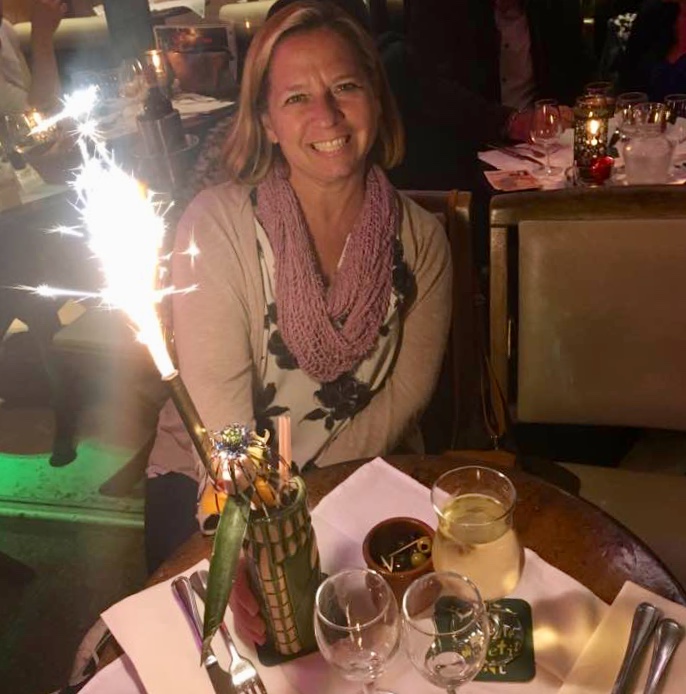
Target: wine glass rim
point(388, 596)
point(479, 603)
point(481, 468)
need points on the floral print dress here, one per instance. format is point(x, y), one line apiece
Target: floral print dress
point(319, 411)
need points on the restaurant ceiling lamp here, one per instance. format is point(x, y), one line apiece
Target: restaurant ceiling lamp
point(591, 118)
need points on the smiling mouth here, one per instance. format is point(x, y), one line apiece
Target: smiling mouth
point(329, 146)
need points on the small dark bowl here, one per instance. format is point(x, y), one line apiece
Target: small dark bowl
point(383, 539)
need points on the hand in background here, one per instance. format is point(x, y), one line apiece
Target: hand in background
point(519, 125)
point(46, 17)
point(246, 610)
point(567, 116)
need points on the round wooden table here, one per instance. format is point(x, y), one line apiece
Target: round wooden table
point(568, 532)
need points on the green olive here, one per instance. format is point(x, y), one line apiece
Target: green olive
point(424, 545)
point(417, 559)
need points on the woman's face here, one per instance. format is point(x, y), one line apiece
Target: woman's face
point(320, 108)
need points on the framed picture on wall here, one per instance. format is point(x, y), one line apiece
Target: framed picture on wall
point(203, 57)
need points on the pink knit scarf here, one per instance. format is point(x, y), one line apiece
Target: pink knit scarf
point(329, 331)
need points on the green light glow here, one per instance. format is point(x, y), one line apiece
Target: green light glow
point(30, 487)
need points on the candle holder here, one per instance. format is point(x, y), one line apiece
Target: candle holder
point(591, 118)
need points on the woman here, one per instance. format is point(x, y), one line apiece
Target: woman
point(655, 58)
point(40, 87)
point(322, 293)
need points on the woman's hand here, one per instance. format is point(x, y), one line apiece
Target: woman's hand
point(46, 17)
point(246, 610)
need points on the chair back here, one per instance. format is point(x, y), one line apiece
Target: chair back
point(456, 392)
point(587, 305)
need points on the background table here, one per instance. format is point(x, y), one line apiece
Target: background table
point(568, 532)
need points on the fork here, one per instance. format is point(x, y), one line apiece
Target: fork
point(243, 674)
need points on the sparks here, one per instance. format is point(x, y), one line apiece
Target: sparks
point(123, 228)
point(77, 105)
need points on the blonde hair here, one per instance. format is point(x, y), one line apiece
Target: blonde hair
point(249, 154)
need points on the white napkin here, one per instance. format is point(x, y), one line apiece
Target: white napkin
point(598, 665)
point(153, 632)
point(193, 104)
point(119, 677)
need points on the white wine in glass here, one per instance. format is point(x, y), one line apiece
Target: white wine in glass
point(476, 538)
point(546, 128)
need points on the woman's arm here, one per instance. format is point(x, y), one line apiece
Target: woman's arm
point(45, 80)
point(398, 406)
point(212, 324)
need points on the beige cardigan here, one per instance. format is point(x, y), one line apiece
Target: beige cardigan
point(219, 331)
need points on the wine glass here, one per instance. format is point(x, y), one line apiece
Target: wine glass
point(603, 89)
point(546, 128)
point(24, 134)
point(445, 629)
point(131, 83)
point(624, 116)
point(676, 117)
point(476, 538)
point(357, 625)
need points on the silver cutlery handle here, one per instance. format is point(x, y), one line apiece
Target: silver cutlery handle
point(199, 584)
point(182, 587)
point(667, 637)
point(645, 619)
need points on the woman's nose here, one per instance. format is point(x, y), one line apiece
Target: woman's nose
point(327, 110)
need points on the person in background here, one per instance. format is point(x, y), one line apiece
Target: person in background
point(21, 88)
point(322, 292)
point(471, 72)
point(655, 57)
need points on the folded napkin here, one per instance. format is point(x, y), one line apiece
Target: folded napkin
point(154, 633)
point(598, 666)
point(119, 677)
point(194, 104)
point(562, 158)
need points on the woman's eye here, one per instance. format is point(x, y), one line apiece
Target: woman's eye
point(346, 87)
point(295, 99)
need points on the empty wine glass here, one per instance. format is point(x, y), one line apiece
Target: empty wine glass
point(22, 133)
point(357, 625)
point(546, 128)
point(476, 538)
point(604, 89)
point(131, 83)
point(676, 117)
point(445, 629)
point(624, 117)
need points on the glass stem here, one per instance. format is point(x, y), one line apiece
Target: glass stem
point(369, 687)
point(494, 623)
point(548, 169)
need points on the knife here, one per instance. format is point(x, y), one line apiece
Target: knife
point(221, 681)
point(668, 635)
point(512, 152)
point(645, 620)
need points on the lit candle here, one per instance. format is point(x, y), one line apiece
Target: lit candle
point(155, 59)
point(591, 115)
point(593, 129)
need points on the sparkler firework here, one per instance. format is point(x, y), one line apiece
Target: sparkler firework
point(124, 227)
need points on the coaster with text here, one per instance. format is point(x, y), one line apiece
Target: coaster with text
point(515, 638)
